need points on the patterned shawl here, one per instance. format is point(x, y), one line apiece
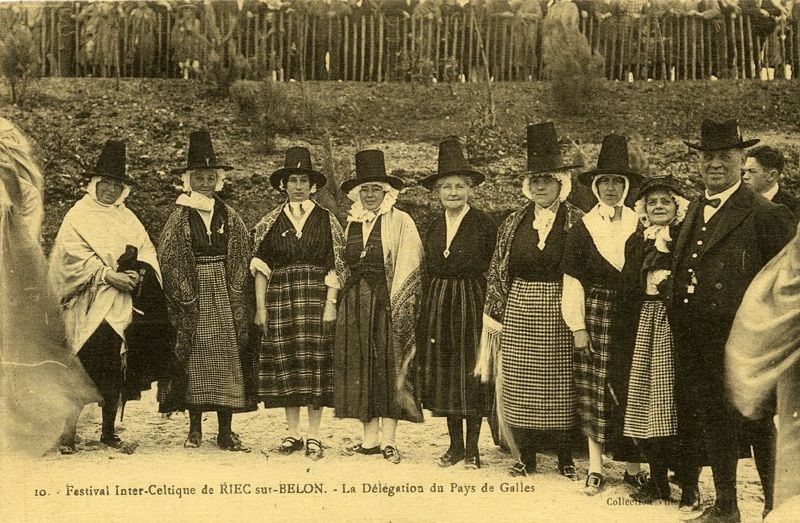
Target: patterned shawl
point(180, 286)
point(402, 261)
point(265, 224)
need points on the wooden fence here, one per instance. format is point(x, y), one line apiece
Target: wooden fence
point(392, 45)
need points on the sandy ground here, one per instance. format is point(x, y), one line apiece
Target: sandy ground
point(159, 459)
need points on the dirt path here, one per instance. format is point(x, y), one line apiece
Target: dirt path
point(160, 459)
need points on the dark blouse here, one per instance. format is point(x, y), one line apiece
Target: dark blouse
point(216, 243)
point(641, 257)
point(470, 251)
point(584, 262)
point(366, 262)
point(281, 247)
point(526, 260)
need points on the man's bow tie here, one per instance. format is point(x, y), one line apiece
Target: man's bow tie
point(713, 202)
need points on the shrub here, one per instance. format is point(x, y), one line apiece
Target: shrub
point(575, 73)
point(270, 109)
point(19, 62)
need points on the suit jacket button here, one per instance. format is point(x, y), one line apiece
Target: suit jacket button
point(718, 285)
point(713, 306)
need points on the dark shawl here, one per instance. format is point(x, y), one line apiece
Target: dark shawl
point(179, 272)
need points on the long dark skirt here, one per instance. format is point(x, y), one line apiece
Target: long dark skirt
point(364, 358)
point(452, 326)
point(296, 356)
point(650, 411)
point(591, 371)
point(101, 359)
point(536, 347)
point(215, 377)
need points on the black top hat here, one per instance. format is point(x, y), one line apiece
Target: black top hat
point(452, 163)
point(613, 159)
point(297, 160)
point(659, 182)
point(201, 153)
point(544, 154)
point(715, 136)
point(111, 163)
point(370, 167)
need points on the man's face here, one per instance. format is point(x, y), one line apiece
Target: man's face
point(757, 177)
point(721, 170)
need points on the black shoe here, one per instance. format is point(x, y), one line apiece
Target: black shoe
point(231, 442)
point(652, 491)
point(690, 500)
point(290, 445)
point(518, 470)
point(568, 471)
point(314, 450)
point(450, 458)
point(193, 441)
point(360, 449)
point(637, 481)
point(594, 484)
point(472, 463)
point(391, 454)
point(714, 514)
point(111, 440)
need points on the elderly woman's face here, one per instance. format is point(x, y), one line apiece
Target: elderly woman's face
point(610, 188)
point(454, 191)
point(371, 195)
point(544, 190)
point(660, 206)
point(203, 181)
point(298, 187)
point(108, 190)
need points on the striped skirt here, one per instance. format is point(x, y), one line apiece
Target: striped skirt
point(451, 332)
point(214, 370)
point(650, 412)
point(295, 364)
point(536, 349)
point(591, 371)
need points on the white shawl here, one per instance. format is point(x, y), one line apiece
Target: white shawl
point(91, 238)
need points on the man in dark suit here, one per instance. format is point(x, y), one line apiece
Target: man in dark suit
point(762, 170)
point(729, 234)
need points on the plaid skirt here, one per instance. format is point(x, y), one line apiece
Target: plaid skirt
point(536, 347)
point(451, 327)
point(591, 371)
point(295, 364)
point(214, 370)
point(650, 412)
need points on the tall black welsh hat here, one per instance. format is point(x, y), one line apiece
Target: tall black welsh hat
point(112, 162)
point(370, 167)
point(297, 160)
point(452, 163)
point(201, 153)
point(544, 153)
point(613, 159)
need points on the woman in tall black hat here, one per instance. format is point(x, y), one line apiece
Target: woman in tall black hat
point(458, 244)
point(375, 345)
point(102, 262)
point(593, 261)
point(299, 268)
point(642, 368)
point(205, 252)
point(522, 316)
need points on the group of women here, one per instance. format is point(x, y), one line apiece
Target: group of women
point(378, 322)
